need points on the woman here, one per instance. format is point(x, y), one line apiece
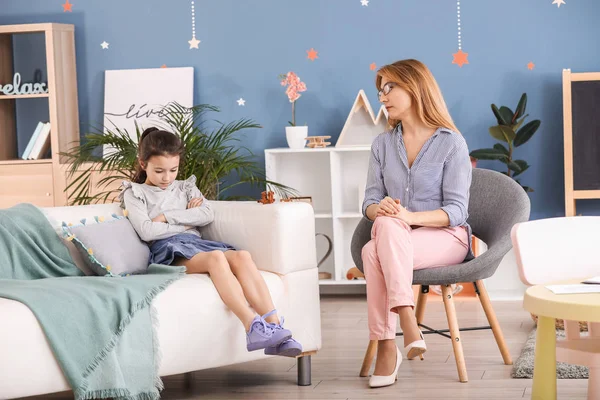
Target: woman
point(417, 194)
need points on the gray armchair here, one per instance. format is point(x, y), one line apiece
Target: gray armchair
point(496, 203)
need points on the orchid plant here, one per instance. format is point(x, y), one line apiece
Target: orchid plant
point(294, 87)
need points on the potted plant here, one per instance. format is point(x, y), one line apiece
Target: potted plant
point(295, 135)
point(210, 155)
point(510, 130)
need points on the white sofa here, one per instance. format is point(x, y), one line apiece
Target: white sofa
point(196, 330)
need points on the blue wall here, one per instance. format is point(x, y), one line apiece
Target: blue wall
point(246, 44)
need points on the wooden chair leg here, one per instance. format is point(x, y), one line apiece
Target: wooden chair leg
point(454, 333)
point(421, 303)
point(369, 356)
point(484, 298)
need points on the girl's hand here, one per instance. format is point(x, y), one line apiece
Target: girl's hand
point(159, 218)
point(195, 202)
point(388, 206)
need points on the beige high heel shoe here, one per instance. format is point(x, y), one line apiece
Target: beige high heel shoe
point(381, 380)
point(416, 348)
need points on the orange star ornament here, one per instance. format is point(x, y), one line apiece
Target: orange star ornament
point(460, 58)
point(312, 54)
point(67, 6)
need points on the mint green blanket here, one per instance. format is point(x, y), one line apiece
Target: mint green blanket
point(101, 330)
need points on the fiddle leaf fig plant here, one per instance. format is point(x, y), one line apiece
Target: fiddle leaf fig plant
point(511, 132)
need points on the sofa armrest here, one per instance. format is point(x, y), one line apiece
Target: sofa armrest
point(279, 236)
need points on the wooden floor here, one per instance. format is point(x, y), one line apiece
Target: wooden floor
point(345, 337)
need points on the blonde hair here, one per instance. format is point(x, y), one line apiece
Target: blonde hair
point(414, 77)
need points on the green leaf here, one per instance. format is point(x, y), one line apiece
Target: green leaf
point(526, 132)
point(503, 133)
point(520, 107)
point(522, 165)
point(500, 147)
point(499, 117)
point(488, 154)
point(516, 126)
point(507, 115)
point(514, 167)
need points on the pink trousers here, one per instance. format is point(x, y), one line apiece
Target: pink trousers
point(389, 258)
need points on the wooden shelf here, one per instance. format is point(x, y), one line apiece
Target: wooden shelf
point(32, 28)
point(21, 162)
point(46, 180)
point(24, 96)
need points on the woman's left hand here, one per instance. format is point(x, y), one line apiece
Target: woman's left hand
point(403, 214)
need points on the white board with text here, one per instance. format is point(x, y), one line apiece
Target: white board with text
point(137, 95)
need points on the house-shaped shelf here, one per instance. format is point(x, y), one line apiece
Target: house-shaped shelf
point(362, 126)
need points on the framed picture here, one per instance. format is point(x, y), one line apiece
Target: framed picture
point(137, 96)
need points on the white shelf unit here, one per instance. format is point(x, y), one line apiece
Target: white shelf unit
point(335, 178)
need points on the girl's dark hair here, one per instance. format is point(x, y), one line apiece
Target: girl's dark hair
point(155, 142)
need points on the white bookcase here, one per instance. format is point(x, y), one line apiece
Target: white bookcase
point(335, 178)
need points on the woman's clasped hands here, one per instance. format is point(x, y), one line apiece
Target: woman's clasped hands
point(389, 207)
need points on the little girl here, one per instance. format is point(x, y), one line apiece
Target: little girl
point(166, 213)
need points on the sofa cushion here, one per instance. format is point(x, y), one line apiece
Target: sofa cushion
point(55, 215)
point(109, 247)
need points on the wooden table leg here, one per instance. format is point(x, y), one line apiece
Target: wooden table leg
point(544, 372)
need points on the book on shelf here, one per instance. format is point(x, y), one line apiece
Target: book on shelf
point(39, 143)
point(32, 140)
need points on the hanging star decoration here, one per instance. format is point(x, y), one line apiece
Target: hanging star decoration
point(559, 2)
point(372, 67)
point(365, 3)
point(312, 54)
point(531, 65)
point(460, 57)
point(241, 102)
point(104, 45)
point(193, 42)
point(67, 7)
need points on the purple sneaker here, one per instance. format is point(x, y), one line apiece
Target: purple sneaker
point(288, 348)
point(261, 335)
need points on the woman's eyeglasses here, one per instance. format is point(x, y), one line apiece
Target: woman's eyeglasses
point(386, 89)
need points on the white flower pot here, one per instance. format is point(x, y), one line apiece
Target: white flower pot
point(296, 136)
